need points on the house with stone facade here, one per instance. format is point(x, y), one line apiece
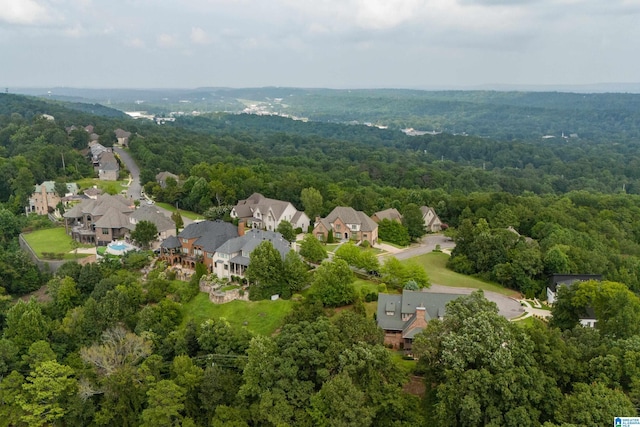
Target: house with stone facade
point(258, 211)
point(198, 242)
point(45, 199)
point(101, 220)
point(346, 224)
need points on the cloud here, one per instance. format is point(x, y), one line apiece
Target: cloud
point(199, 36)
point(166, 41)
point(24, 12)
point(135, 43)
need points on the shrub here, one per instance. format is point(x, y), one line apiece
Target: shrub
point(365, 244)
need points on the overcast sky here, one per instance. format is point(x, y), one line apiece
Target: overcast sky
point(317, 43)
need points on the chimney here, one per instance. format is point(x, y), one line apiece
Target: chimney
point(241, 228)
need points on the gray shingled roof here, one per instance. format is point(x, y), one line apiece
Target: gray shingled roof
point(391, 214)
point(152, 214)
point(171, 242)
point(99, 206)
point(113, 218)
point(253, 238)
point(434, 303)
point(351, 216)
point(245, 208)
point(108, 162)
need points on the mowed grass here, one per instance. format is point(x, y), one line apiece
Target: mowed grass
point(53, 240)
point(259, 317)
point(110, 187)
point(186, 214)
point(435, 263)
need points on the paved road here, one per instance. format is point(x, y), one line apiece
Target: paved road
point(134, 190)
point(428, 244)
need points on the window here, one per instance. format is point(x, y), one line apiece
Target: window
point(105, 231)
point(338, 227)
point(185, 240)
point(226, 266)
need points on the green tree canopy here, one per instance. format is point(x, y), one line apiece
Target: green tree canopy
point(144, 233)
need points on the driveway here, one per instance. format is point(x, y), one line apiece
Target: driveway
point(134, 190)
point(427, 244)
point(507, 306)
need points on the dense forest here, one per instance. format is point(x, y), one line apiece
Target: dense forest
point(111, 346)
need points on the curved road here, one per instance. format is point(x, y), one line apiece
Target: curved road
point(135, 189)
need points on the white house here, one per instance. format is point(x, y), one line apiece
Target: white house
point(261, 212)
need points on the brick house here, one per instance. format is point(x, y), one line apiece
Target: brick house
point(347, 224)
point(262, 212)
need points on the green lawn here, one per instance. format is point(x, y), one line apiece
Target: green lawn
point(435, 263)
point(261, 317)
point(110, 187)
point(53, 240)
point(186, 214)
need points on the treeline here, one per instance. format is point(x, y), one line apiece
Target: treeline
point(113, 349)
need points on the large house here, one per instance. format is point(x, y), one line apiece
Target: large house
point(261, 212)
point(558, 280)
point(100, 221)
point(403, 316)
point(161, 178)
point(45, 199)
point(198, 242)
point(122, 136)
point(232, 258)
point(431, 220)
point(588, 317)
point(346, 224)
point(108, 167)
point(165, 225)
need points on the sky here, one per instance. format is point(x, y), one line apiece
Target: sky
point(317, 43)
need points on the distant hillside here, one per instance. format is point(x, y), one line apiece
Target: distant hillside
point(512, 115)
point(30, 106)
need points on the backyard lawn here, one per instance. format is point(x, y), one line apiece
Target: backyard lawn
point(259, 317)
point(186, 214)
point(110, 187)
point(435, 263)
point(53, 240)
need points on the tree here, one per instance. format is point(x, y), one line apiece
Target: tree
point(47, 392)
point(593, 405)
point(295, 273)
point(333, 283)
point(471, 359)
point(265, 271)
point(396, 273)
point(177, 219)
point(286, 229)
point(412, 220)
point(26, 324)
point(60, 188)
point(144, 233)
point(339, 403)
point(312, 250)
point(348, 252)
point(166, 402)
point(312, 202)
point(393, 232)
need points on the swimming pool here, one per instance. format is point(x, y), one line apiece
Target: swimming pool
point(119, 247)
